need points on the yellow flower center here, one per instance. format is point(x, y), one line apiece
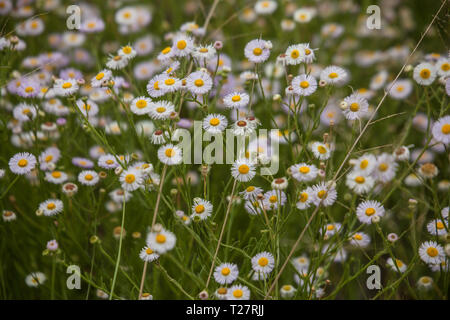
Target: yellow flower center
point(169, 81)
point(307, 52)
point(303, 169)
point(238, 293)
point(214, 122)
point(160, 238)
point(29, 89)
point(295, 54)
point(67, 85)
point(446, 128)
point(222, 290)
point(321, 194)
point(263, 261)
point(383, 167)
point(199, 82)
point(109, 161)
point(166, 50)
point(226, 271)
point(304, 84)
point(322, 149)
point(149, 251)
point(360, 179)
point(203, 50)
point(141, 103)
point(364, 164)
point(127, 50)
point(330, 227)
point(303, 197)
point(160, 109)
point(169, 152)
point(130, 178)
point(56, 174)
point(370, 211)
point(399, 263)
point(89, 177)
point(243, 169)
point(432, 252)
point(51, 206)
point(440, 225)
point(357, 237)
point(273, 199)
point(445, 67)
point(22, 163)
point(333, 75)
point(354, 107)
point(181, 44)
point(100, 76)
point(250, 188)
point(236, 98)
point(257, 51)
point(425, 73)
point(199, 208)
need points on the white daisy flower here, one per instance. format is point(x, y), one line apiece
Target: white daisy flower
point(107, 161)
point(386, 168)
point(359, 183)
point(304, 85)
point(117, 62)
point(215, 123)
point(35, 279)
point(238, 292)
point(154, 86)
point(127, 16)
point(65, 87)
point(201, 208)
point(366, 210)
point(56, 177)
point(304, 15)
point(424, 73)
point(257, 51)
point(400, 90)
point(437, 227)
point(51, 207)
point(379, 80)
point(8, 216)
point(396, 266)
point(321, 150)
point(88, 177)
point(265, 7)
point(131, 179)
point(140, 105)
point(204, 53)
point(287, 291)
point(166, 54)
point(243, 170)
point(263, 262)
point(441, 130)
point(159, 137)
point(161, 241)
point(304, 172)
point(251, 192)
point(365, 164)
point(431, 252)
point(148, 255)
point(170, 84)
point(236, 100)
point(22, 163)
point(170, 154)
point(226, 273)
point(199, 83)
point(24, 112)
point(443, 67)
point(127, 51)
point(323, 194)
point(425, 283)
point(161, 110)
point(182, 45)
point(333, 75)
point(332, 229)
point(88, 108)
point(360, 239)
point(357, 107)
point(304, 199)
point(273, 199)
point(104, 75)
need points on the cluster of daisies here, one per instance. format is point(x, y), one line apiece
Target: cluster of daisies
point(146, 85)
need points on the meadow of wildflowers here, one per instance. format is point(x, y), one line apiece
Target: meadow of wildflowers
point(224, 149)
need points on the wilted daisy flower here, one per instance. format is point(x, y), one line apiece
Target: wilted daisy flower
point(243, 170)
point(161, 110)
point(304, 85)
point(304, 199)
point(215, 123)
point(386, 168)
point(357, 107)
point(359, 183)
point(88, 177)
point(398, 265)
point(182, 45)
point(35, 279)
point(437, 227)
point(279, 183)
point(56, 177)
point(8, 215)
point(161, 241)
point(360, 239)
point(170, 154)
point(431, 252)
point(100, 78)
point(257, 51)
point(199, 82)
point(226, 273)
point(323, 194)
point(366, 210)
point(131, 179)
point(321, 150)
point(22, 163)
point(273, 199)
point(201, 208)
point(424, 73)
point(148, 255)
point(159, 137)
point(333, 75)
point(401, 153)
point(51, 207)
point(428, 170)
point(236, 100)
point(441, 130)
point(238, 292)
point(425, 283)
point(304, 172)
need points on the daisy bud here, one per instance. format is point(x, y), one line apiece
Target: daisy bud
point(268, 45)
point(447, 249)
point(375, 219)
point(14, 40)
point(412, 204)
point(117, 231)
point(157, 227)
point(81, 82)
point(392, 237)
point(136, 235)
point(204, 170)
point(118, 170)
point(322, 83)
point(93, 239)
point(325, 237)
point(179, 213)
point(39, 212)
point(174, 116)
point(408, 68)
point(102, 175)
point(173, 192)
point(352, 162)
point(277, 97)
point(321, 173)
point(203, 295)
point(289, 78)
point(343, 105)
point(218, 45)
point(226, 69)
point(69, 189)
point(260, 196)
point(347, 197)
point(16, 74)
point(325, 137)
point(312, 106)
point(41, 113)
point(51, 166)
